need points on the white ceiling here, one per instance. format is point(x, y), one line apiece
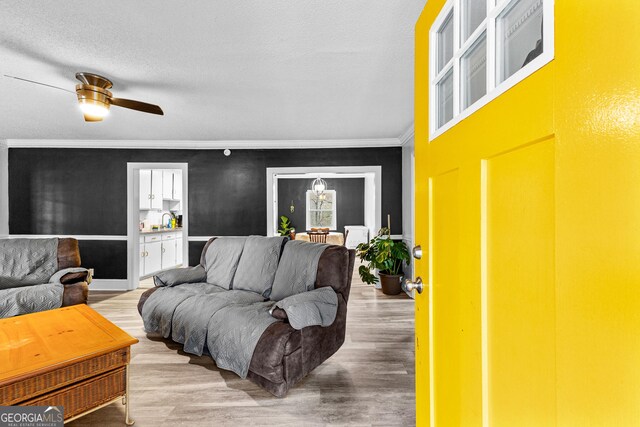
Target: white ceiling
point(221, 70)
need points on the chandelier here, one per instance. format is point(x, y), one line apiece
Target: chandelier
point(318, 186)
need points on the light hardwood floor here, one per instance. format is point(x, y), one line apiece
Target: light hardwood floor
point(369, 381)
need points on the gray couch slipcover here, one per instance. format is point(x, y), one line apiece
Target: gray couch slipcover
point(282, 355)
point(40, 274)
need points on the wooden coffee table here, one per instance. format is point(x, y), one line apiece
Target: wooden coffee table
point(71, 357)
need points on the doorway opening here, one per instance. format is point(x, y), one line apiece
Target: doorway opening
point(372, 176)
point(157, 219)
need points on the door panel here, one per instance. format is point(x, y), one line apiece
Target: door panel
point(521, 286)
point(445, 296)
point(558, 212)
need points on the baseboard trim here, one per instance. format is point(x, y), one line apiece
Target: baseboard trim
point(116, 285)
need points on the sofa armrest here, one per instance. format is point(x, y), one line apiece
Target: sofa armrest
point(278, 313)
point(178, 276)
point(75, 293)
point(71, 278)
point(278, 341)
point(143, 298)
point(315, 307)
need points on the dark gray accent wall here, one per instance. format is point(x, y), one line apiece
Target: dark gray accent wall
point(107, 257)
point(195, 250)
point(349, 200)
point(84, 191)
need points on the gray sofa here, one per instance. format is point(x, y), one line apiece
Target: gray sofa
point(269, 309)
point(40, 274)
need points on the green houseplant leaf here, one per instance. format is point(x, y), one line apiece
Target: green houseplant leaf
point(383, 254)
point(285, 226)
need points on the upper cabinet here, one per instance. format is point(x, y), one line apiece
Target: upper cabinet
point(157, 185)
point(150, 189)
point(156, 189)
point(177, 185)
point(167, 184)
point(172, 184)
point(145, 189)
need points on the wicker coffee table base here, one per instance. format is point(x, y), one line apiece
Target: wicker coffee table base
point(125, 401)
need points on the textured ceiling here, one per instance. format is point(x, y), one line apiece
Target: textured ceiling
point(221, 70)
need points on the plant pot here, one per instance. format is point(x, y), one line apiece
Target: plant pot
point(391, 283)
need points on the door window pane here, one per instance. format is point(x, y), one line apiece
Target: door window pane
point(519, 36)
point(445, 99)
point(445, 42)
point(473, 13)
point(474, 72)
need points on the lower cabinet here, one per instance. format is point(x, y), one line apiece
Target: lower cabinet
point(168, 251)
point(160, 252)
point(153, 260)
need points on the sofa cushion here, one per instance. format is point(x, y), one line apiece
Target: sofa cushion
point(334, 269)
point(221, 260)
point(26, 262)
point(258, 264)
point(297, 269)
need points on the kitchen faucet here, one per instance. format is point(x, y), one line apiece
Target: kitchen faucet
point(162, 223)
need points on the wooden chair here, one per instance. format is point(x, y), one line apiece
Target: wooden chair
point(317, 237)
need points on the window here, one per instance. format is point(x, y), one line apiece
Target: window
point(321, 209)
point(481, 48)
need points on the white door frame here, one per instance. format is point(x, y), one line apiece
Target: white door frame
point(372, 190)
point(133, 215)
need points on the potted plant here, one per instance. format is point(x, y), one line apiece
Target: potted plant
point(286, 228)
point(386, 255)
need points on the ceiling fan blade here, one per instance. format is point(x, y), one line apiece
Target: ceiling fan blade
point(38, 83)
point(136, 105)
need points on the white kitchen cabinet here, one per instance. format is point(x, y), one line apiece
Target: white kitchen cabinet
point(177, 185)
point(145, 189)
point(160, 251)
point(153, 259)
point(150, 189)
point(167, 184)
point(156, 189)
point(168, 254)
point(171, 184)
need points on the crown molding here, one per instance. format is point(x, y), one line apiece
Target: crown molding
point(407, 136)
point(204, 145)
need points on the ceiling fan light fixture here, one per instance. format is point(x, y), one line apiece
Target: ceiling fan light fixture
point(94, 108)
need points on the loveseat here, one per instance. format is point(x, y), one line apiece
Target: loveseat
point(298, 290)
point(40, 274)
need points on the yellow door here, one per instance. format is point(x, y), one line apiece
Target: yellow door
point(528, 213)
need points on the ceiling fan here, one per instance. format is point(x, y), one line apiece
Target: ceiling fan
point(95, 98)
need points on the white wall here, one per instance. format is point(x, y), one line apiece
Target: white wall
point(4, 188)
point(408, 203)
